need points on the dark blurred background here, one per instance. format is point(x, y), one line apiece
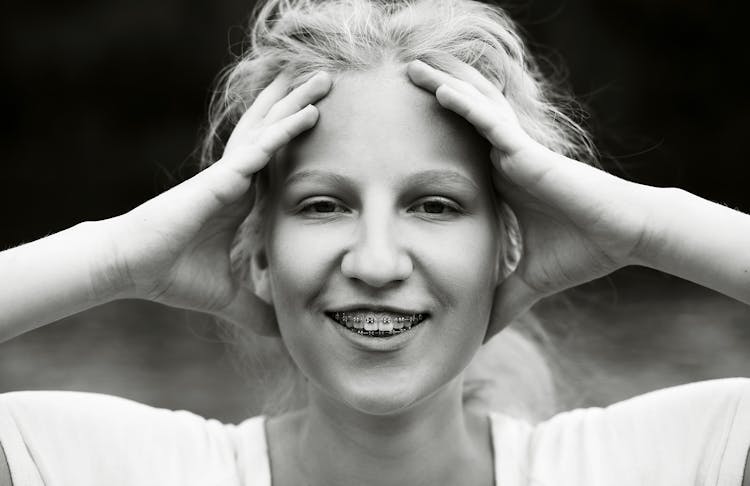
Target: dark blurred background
point(103, 103)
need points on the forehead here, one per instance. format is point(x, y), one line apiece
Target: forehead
point(381, 121)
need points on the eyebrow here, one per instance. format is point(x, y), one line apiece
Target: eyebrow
point(432, 177)
point(440, 178)
point(316, 175)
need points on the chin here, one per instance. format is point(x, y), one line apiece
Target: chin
point(380, 395)
point(375, 402)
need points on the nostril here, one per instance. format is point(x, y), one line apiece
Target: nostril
point(376, 270)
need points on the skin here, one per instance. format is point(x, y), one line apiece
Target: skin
point(389, 201)
point(598, 222)
point(578, 223)
point(172, 249)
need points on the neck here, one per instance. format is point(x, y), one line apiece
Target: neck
point(435, 441)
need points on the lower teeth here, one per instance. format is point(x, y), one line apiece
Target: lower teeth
point(406, 322)
point(379, 333)
point(362, 332)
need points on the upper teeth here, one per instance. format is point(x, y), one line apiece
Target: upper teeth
point(377, 321)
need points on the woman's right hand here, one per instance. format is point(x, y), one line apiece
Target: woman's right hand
point(174, 249)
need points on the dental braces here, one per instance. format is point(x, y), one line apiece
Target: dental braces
point(346, 318)
point(362, 332)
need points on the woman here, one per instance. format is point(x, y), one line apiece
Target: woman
point(382, 247)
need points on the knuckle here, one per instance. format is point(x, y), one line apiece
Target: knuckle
point(268, 142)
point(464, 86)
point(471, 113)
point(272, 114)
point(496, 132)
point(259, 151)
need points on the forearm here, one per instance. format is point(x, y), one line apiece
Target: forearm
point(54, 277)
point(700, 241)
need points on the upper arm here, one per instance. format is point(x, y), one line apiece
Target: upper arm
point(4, 469)
point(129, 442)
point(706, 423)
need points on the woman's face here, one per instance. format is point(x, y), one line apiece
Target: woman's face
point(383, 211)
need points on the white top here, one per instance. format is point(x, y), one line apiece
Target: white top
point(694, 434)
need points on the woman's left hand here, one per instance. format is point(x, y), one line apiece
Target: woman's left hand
point(577, 222)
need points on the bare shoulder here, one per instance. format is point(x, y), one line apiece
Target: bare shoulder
point(4, 469)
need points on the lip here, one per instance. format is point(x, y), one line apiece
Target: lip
point(377, 308)
point(379, 344)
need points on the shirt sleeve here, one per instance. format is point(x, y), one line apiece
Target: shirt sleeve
point(59, 438)
point(693, 434)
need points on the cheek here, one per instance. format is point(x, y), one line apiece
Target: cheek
point(462, 262)
point(453, 268)
point(460, 267)
point(300, 257)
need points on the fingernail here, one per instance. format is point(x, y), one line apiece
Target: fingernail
point(320, 75)
point(418, 62)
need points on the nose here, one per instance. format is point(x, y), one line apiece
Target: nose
point(377, 257)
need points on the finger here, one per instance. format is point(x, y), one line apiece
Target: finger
point(486, 108)
point(276, 90)
point(249, 310)
point(513, 298)
point(429, 78)
point(498, 125)
point(471, 75)
point(503, 183)
point(307, 93)
point(522, 160)
point(460, 71)
point(466, 106)
point(228, 180)
point(557, 179)
point(254, 156)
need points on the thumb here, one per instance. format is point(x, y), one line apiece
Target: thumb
point(551, 177)
point(513, 298)
point(249, 310)
point(526, 168)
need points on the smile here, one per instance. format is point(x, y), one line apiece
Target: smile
point(377, 324)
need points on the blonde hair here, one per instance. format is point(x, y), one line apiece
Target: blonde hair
point(339, 36)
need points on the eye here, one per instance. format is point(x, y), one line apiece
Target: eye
point(321, 206)
point(437, 206)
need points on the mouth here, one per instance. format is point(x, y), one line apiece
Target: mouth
point(379, 324)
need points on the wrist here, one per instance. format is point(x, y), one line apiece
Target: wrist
point(110, 277)
point(664, 206)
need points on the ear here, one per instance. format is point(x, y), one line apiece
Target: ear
point(510, 252)
point(511, 249)
point(260, 275)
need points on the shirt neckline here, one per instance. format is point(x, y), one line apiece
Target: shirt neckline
point(508, 437)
